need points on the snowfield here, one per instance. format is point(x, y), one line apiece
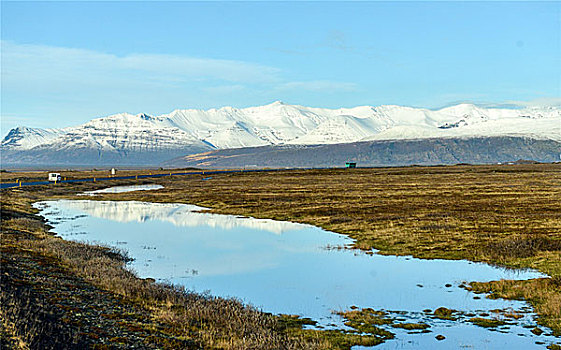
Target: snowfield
point(191, 130)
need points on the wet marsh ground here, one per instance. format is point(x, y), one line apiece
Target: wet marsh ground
point(61, 294)
point(505, 214)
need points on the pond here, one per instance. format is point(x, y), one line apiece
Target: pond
point(290, 268)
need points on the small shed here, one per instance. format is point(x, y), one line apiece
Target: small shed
point(350, 165)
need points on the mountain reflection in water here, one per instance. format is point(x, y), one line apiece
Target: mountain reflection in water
point(284, 267)
point(185, 215)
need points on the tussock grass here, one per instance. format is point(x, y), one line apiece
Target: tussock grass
point(506, 215)
point(543, 293)
point(216, 322)
point(486, 322)
point(411, 326)
point(444, 313)
point(501, 214)
point(523, 246)
point(36, 314)
point(368, 321)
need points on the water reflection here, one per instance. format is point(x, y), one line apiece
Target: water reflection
point(285, 268)
point(122, 189)
point(178, 215)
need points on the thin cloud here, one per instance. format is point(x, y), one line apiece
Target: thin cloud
point(54, 70)
point(227, 70)
point(44, 85)
point(538, 102)
point(24, 64)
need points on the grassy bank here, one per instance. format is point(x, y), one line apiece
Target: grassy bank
point(504, 215)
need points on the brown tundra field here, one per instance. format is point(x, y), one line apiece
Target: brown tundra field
point(57, 293)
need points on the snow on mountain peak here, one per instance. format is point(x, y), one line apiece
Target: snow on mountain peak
point(281, 123)
point(24, 137)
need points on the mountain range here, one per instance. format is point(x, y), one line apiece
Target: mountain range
point(144, 140)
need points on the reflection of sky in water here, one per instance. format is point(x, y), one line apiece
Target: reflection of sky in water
point(284, 267)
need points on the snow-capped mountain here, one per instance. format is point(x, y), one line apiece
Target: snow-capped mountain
point(26, 138)
point(130, 139)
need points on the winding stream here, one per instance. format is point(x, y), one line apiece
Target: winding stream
point(291, 268)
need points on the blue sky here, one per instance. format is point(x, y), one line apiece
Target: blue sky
point(64, 63)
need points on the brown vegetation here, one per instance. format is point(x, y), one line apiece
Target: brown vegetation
point(505, 214)
point(543, 293)
point(62, 294)
point(501, 214)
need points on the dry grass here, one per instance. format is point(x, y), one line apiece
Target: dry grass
point(507, 215)
point(162, 316)
point(504, 214)
point(544, 294)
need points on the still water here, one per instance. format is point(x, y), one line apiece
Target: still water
point(283, 267)
point(122, 189)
